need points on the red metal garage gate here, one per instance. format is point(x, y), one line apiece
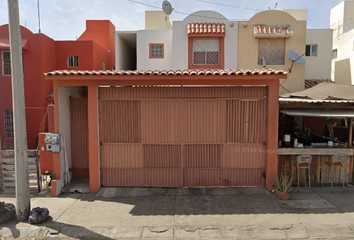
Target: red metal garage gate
point(183, 136)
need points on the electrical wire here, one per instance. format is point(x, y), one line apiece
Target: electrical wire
point(227, 5)
point(183, 13)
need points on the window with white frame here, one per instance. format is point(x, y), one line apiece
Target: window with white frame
point(73, 61)
point(6, 63)
point(311, 50)
point(334, 54)
point(206, 51)
point(8, 121)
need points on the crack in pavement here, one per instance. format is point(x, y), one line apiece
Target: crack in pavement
point(200, 228)
point(158, 229)
point(282, 227)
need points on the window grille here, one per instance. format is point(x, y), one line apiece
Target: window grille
point(73, 61)
point(206, 51)
point(8, 120)
point(6, 63)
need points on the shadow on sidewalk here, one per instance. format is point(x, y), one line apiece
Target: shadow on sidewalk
point(53, 229)
point(243, 201)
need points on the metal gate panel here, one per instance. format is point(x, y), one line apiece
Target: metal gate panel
point(124, 177)
point(147, 92)
point(157, 129)
point(202, 177)
point(246, 121)
point(183, 136)
point(172, 177)
point(204, 121)
point(117, 155)
point(79, 137)
point(245, 155)
point(203, 155)
point(252, 177)
point(162, 156)
point(120, 121)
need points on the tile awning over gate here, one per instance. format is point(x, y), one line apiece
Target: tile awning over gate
point(203, 72)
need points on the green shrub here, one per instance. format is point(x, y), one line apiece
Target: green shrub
point(284, 183)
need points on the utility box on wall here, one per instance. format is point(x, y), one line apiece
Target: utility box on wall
point(52, 141)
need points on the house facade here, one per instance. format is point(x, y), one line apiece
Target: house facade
point(94, 49)
point(341, 22)
point(166, 128)
point(208, 40)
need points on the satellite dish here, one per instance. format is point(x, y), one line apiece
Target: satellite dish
point(296, 58)
point(167, 7)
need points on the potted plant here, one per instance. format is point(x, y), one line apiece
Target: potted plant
point(283, 186)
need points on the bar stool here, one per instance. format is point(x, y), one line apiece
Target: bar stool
point(338, 161)
point(303, 162)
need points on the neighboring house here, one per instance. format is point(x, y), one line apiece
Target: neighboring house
point(343, 45)
point(269, 35)
point(93, 50)
point(208, 40)
point(318, 56)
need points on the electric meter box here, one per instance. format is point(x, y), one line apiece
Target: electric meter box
point(52, 141)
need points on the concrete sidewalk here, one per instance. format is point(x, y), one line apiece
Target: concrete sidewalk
point(249, 213)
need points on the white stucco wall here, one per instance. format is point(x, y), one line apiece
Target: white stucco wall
point(319, 67)
point(180, 39)
point(64, 95)
point(342, 23)
point(144, 38)
point(342, 17)
point(345, 58)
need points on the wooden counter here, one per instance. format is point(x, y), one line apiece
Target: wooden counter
point(314, 151)
point(320, 170)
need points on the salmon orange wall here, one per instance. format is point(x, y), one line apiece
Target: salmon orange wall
point(102, 32)
point(37, 58)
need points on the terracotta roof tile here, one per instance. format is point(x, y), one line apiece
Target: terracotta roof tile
point(187, 72)
point(202, 28)
point(275, 30)
point(309, 83)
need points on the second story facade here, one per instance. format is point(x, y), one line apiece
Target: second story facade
point(93, 50)
point(208, 40)
point(342, 24)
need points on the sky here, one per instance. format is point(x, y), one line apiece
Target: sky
point(65, 19)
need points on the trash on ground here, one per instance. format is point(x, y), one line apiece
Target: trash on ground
point(38, 215)
point(7, 212)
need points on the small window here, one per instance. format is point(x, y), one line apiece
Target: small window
point(73, 61)
point(334, 54)
point(103, 65)
point(8, 121)
point(206, 51)
point(6, 63)
point(311, 50)
point(156, 50)
point(272, 50)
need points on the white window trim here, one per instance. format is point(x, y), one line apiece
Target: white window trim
point(311, 45)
